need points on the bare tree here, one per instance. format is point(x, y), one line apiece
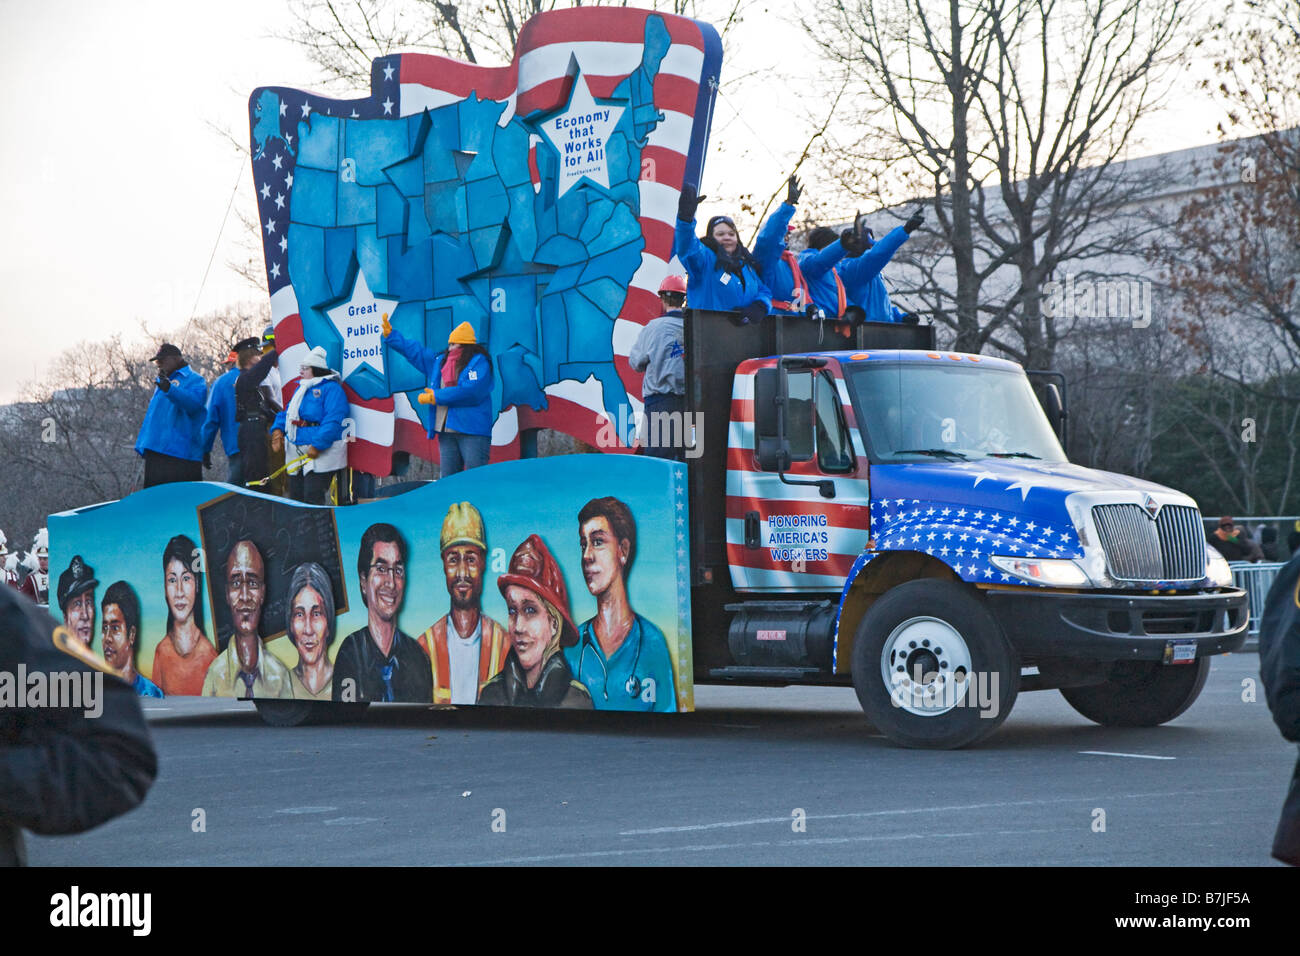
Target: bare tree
point(1013, 115)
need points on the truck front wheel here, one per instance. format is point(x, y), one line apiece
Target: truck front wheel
point(285, 713)
point(1140, 693)
point(932, 668)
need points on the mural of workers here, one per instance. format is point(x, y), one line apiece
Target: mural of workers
point(182, 658)
point(620, 657)
point(245, 669)
point(310, 626)
point(476, 650)
point(120, 614)
point(77, 600)
point(379, 662)
point(541, 626)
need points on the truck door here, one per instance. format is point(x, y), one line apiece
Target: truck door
point(785, 536)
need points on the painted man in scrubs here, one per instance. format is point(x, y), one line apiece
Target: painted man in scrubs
point(620, 657)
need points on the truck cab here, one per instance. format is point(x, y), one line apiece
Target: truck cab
point(869, 510)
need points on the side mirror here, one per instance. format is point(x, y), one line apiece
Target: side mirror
point(1055, 409)
point(773, 454)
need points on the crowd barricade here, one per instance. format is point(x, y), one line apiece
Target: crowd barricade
point(1255, 579)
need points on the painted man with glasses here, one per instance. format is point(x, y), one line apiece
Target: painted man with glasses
point(379, 662)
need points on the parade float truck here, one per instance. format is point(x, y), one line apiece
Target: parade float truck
point(855, 507)
point(904, 519)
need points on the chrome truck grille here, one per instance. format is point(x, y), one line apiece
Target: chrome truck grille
point(1170, 548)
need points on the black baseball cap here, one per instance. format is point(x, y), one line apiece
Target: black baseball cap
point(166, 349)
point(252, 342)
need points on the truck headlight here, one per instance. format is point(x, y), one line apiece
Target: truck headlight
point(1217, 569)
point(1054, 572)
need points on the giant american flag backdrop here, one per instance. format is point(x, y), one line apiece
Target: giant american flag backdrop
point(535, 201)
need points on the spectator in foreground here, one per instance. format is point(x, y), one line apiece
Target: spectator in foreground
point(171, 440)
point(1279, 671)
point(1232, 541)
point(62, 771)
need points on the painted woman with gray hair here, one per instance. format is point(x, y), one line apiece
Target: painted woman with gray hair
point(310, 626)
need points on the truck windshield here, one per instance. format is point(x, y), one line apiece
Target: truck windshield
point(933, 412)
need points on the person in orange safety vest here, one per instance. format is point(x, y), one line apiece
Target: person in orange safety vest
point(475, 649)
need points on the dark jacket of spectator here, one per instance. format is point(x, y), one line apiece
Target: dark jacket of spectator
point(1279, 670)
point(60, 770)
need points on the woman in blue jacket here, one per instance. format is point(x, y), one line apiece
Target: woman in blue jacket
point(721, 273)
point(312, 425)
point(459, 387)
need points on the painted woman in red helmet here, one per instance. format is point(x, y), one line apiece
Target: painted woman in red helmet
point(660, 352)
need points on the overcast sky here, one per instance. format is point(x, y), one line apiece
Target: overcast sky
point(114, 184)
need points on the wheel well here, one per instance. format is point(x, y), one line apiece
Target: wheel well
point(879, 575)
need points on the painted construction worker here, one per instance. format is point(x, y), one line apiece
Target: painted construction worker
point(722, 275)
point(466, 648)
point(659, 352)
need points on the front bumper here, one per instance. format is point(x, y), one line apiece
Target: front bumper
point(1119, 627)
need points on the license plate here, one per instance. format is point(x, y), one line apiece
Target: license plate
point(1180, 652)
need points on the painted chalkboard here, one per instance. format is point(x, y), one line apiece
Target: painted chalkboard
point(286, 535)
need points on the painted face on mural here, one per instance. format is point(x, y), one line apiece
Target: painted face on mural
point(179, 584)
point(245, 587)
point(463, 565)
point(603, 555)
point(119, 643)
point(531, 628)
point(310, 625)
point(79, 616)
point(385, 583)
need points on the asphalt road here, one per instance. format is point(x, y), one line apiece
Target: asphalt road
point(721, 786)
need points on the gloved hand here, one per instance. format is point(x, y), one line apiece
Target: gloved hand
point(385, 326)
point(688, 203)
point(207, 461)
point(163, 383)
point(793, 190)
point(914, 223)
point(427, 397)
point(755, 312)
point(852, 243)
point(277, 441)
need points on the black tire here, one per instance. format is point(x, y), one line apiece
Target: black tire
point(286, 713)
point(1140, 693)
point(337, 712)
point(913, 607)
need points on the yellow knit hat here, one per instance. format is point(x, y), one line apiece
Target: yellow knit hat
point(463, 525)
point(462, 334)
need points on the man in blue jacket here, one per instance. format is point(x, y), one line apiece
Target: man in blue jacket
point(459, 387)
point(778, 266)
point(170, 439)
point(863, 286)
point(221, 412)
